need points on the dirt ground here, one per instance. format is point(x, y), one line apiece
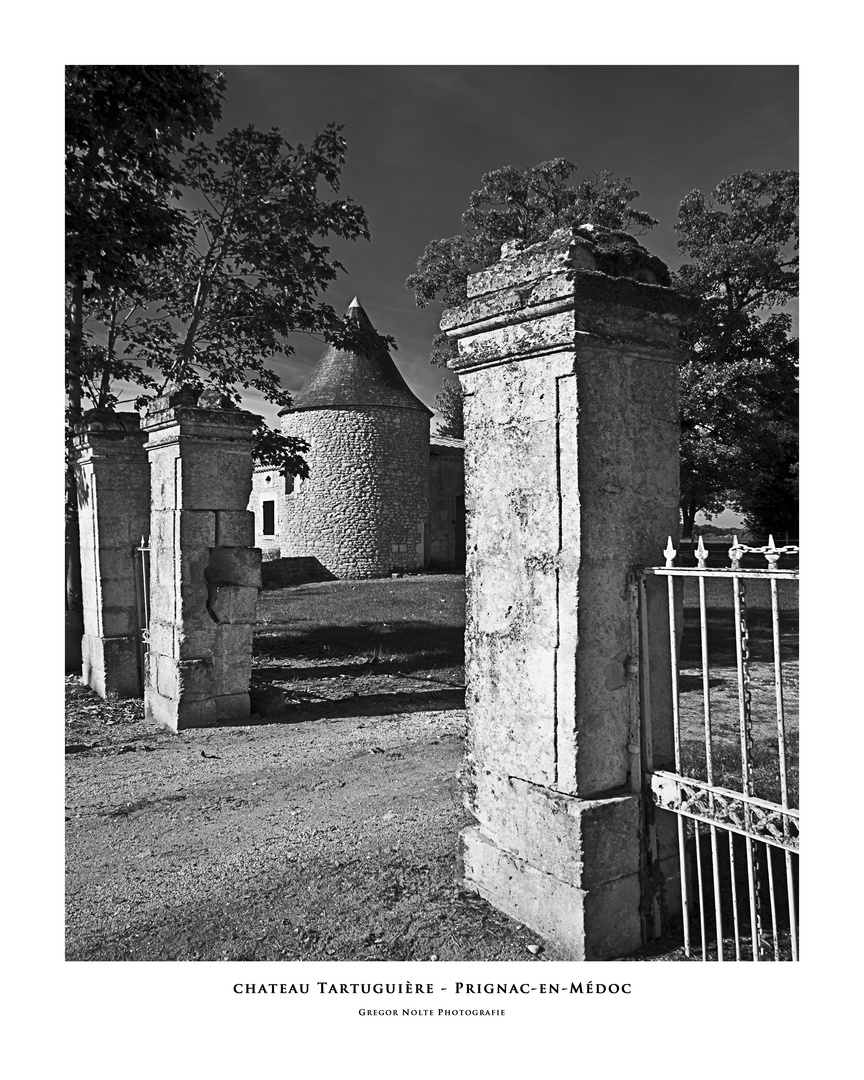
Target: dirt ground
point(325, 838)
point(330, 833)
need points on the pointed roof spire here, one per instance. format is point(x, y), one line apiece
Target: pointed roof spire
point(359, 374)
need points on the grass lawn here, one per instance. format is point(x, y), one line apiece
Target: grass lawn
point(382, 645)
point(412, 624)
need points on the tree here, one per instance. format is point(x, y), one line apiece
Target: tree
point(245, 271)
point(448, 402)
point(739, 425)
point(527, 205)
point(739, 388)
point(123, 127)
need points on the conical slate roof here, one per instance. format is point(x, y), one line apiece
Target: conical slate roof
point(356, 376)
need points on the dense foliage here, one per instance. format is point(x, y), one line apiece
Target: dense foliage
point(448, 402)
point(512, 204)
point(245, 270)
point(124, 126)
point(739, 390)
point(739, 387)
point(189, 265)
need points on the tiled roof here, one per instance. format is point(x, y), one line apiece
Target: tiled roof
point(356, 376)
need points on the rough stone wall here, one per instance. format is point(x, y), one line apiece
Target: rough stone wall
point(570, 380)
point(204, 571)
point(269, 485)
point(361, 511)
point(447, 506)
point(113, 477)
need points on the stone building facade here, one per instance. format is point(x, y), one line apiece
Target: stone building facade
point(379, 497)
point(270, 490)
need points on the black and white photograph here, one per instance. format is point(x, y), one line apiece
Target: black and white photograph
point(432, 513)
point(431, 550)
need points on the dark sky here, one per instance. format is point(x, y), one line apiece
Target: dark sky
point(420, 138)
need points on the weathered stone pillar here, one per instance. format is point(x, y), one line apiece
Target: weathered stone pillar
point(113, 514)
point(568, 359)
point(204, 571)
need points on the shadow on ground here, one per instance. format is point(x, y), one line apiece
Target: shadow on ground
point(364, 669)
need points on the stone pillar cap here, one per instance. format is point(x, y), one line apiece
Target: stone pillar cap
point(571, 268)
point(96, 420)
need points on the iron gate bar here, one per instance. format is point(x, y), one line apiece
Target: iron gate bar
point(781, 753)
point(672, 791)
point(734, 897)
point(650, 832)
point(692, 571)
point(742, 656)
point(701, 560)
point(764, 825)
point(676, 731)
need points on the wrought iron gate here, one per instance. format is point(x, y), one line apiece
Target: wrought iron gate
point(731, 792)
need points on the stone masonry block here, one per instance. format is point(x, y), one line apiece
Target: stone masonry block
point(512, 703)
point(583, 842)
point(185, 574)
point(233, 603)
point(568, 357)
point(187, 679)
point(122, 671)
point(120, 620)
point(235, 566)
point(204, 574)
point(233, 678)
point(164, 464)
point(213, 474)
point(194, 643)
point(159, 709)
point(196, 678)
point(162, 674)
point(172, 529)
point(235, 528)
point(163, 637)
point(113, 489)
point(235, 642)
point(231, 640)
point(117, 566)
point(593, 924)
point(180, 715)
point(224, 709)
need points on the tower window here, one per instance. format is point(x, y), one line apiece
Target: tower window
point(268, 514)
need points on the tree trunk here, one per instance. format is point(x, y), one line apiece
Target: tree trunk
point(74, 605)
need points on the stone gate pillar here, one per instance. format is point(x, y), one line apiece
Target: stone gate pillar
point(204, 571)
point(113, 514)
point(568, 360)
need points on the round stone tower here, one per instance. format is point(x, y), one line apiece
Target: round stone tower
point(363, 512)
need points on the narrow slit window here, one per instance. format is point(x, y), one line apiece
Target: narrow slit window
point(268, 513)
